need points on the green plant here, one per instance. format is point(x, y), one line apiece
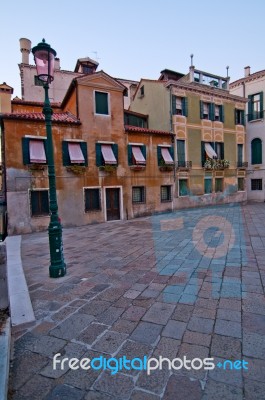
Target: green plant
point(76, 169)
point(108, 168)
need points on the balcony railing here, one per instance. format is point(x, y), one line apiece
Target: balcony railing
point(216, 164)
point(242, 164)
point(183, 164)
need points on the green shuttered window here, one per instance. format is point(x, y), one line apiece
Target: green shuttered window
point(208, 185)
point(255, 106)
point(256, 151)
point(179, 106)
point(99, 157)
point(102, 103)
point(66, 156)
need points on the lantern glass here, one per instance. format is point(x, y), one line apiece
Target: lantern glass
point(44, 57)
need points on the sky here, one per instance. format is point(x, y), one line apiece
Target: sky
point(138, 38)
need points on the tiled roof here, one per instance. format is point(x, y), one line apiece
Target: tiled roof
point(130, 128)
point(37, 116)
point(251, 77)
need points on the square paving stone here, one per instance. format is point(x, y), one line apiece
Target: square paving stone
point(226, 347)
point(230, 315)
point(204, 312)
point(174, 329)
point(94, 395)
point(159, 313)
point(224, 373)
point(25, 366)
point(36, 388)
point(112, 294)
point(155, 382)
point(146, 332)
point(134, 313)
point(120, 386)
point(110, 342)
point(254, 345)
point(95, 307)
point(167, 347)
point(230, 304)
point(132, 349)
point(140, 395)
point(47, 345)
point(182, 312)
point(203, 325)
point(150, 293)
point(72, 326)
point(197, 338)
point(90, 334)
point(181, 387)
point(205, 303)
point(254, 390)
point(253, 323)
point(228, 328)
point(124, 326)
point(111, 315)
point(220, 391)
point(65, 392)
point(132, 294)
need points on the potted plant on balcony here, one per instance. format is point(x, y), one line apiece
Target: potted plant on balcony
point(165, 167)
point(76, 169)
point(108, 168)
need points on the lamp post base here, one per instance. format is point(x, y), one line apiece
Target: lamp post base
point(57, 268)
point(57, 271)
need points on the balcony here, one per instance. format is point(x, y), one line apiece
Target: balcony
point(242, 164)
point(215, 164)
point(184, 165)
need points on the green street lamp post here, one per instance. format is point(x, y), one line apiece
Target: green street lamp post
point(44, 59)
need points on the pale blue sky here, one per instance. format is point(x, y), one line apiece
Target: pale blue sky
point(137, 38)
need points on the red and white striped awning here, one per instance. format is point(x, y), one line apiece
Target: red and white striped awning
point(138, 155)
point(166, 156)
point(108, 154)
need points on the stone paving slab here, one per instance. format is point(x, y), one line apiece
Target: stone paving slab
point(148, 287)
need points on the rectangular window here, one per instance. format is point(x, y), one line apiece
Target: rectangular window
point(34, 150)
point(255, 106)
point(181, 153)
point(206, 111)
point(166, 193)
point(142, 91)
point(183, 187)
point(208, 185)
point(92, 200)
point(74, 153)
point(240, 155)
point(217, 113)
point(39, 203)
point(102, 103)
point(218, 185)
point(256, 184)
point(165, 155)
point(240, 184)
point(137, 156)
point(239, 117)
point(138, 194)
point(106, 154)
point(179, 105)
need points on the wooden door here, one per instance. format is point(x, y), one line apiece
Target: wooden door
point(113, 204)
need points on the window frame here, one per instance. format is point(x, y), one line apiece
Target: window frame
point(254, 115)
point(258, 184)
point(66, 156)
point(239, 188)
point(187, 187)
point(208, 178)
point(95, 103)
point(254, 157)
point(131, 160)
point(168, 198)
point(39, 190)
point(222, 184)
point(99, 157)
point(87, 188)
point(142, 194)
point(26, 152)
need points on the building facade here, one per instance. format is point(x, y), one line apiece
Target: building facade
point(209, 144)
point(252, 86)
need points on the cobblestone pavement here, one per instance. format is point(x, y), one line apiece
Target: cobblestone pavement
point(190, 283)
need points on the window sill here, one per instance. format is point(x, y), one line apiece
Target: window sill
point(255, 120)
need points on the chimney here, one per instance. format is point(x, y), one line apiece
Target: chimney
point(57, 63)
point(247, 71)
point(192, 73)
point(25, 47)
point(5, 98)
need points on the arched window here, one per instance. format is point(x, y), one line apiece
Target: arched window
point(256, 151)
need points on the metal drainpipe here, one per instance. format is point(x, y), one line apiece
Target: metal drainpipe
point(171, 131)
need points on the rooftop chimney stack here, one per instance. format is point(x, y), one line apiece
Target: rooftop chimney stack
point(25, 47)
point(247, 71)
point(57, 63)
point(5, 98)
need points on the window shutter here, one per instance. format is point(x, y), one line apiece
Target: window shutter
point(173, 105)
point(184, 101)
point(25, 151)
point(240, 153)
point(201, 109)
point(65, 152)
point(261, 104)
point(101, 103)
point(256, 151)
point(83, 146)
point(235, 116)
point(250, 117)
point(203, 157)
point(159, 155)
point(171, 152)
point(222, 151)
point(130, 161)
point(44, 198)
point(181, 150)
point(115, 152)
point(211, 111)
point(143, 148)
point(99, 160)
point(222, 115)
point(243, 118)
